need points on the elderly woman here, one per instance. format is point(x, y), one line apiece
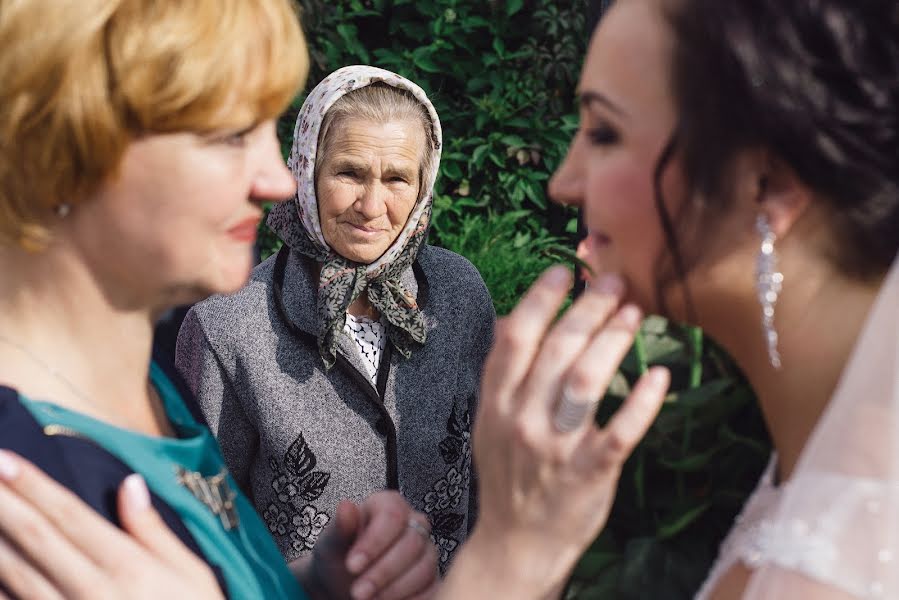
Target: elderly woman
point(351, 361)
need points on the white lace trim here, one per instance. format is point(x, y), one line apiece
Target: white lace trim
point(371, 338)
point(844, 509)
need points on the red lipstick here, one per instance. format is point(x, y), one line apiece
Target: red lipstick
point(245, 231)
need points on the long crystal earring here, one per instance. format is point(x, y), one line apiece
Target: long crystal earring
point(769, 282)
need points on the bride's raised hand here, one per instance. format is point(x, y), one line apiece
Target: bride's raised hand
point(54, 546)
point(547, 474)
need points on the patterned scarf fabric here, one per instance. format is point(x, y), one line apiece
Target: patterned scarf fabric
point(342, 281)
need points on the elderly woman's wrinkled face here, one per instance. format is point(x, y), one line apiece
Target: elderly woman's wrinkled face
point(368, 185)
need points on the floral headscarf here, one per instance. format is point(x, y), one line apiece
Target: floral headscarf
point(342, 281)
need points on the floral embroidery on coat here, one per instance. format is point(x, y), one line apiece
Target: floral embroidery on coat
point(441, 502)
point(292, 518)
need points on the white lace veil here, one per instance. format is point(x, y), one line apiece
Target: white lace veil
point(840, 509)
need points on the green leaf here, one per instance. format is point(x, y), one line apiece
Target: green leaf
point(677, 523)
point(421, 57)
point(477, 157)
point(513, 6)
point(697, 397)
point(347, 32)
point(595, 561)
point(658, 349)
point(513, 141)
point(535, 194)
point(690, 464)
point(728, 434)
point(451, 170)
point(474, 22)
point(363, 12)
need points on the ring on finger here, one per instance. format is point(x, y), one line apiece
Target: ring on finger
point(570, 411)
point(419, 528)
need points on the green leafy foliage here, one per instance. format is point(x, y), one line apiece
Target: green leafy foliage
point(502, 75)
point(688, 478)
point(507, 252)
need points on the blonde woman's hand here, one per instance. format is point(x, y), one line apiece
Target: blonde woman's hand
point(545, 492)
point(54, 546)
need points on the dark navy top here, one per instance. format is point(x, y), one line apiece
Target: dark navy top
point(82, 466)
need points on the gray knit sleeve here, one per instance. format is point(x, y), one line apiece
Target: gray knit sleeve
point(483, 323)
point(208, 379)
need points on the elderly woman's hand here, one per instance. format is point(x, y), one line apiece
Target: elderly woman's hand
point(547, 474)
point(53, 545)
point(378, 549)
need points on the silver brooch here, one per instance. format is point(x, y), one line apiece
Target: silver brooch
point(212, 491)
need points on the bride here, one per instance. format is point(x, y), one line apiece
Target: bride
point(737, 166)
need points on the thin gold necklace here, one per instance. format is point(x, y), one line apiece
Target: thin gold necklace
point(214, 492)
point(154, 396)
point(48, 368)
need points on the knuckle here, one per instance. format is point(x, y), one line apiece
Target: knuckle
point(392, 501)
point(508, 335)
point(34, 530)
point(616, 446)
point(525, 434)
point(559, 343)
point(67, 513)
point(395, 515)
point(378, 578)
point(557, 458)
point(580, 379)
point(623, 324)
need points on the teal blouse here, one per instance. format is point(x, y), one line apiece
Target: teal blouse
point(189, 474)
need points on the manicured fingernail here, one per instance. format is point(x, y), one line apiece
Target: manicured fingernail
point(362, 590)
point(557, 276)
point(136, 493)
point(631, 316)
point(9, 466)
point(356, 562)
point(609, 284)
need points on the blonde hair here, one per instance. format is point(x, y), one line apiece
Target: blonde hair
point(379, 103)
point(82, 78)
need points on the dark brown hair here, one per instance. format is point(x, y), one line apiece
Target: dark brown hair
point(816, 83)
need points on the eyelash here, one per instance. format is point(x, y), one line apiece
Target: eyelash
point(353, 175)
point(235, 138)
point(603, 136)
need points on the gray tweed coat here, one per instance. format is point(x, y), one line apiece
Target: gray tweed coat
point(299, 439)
